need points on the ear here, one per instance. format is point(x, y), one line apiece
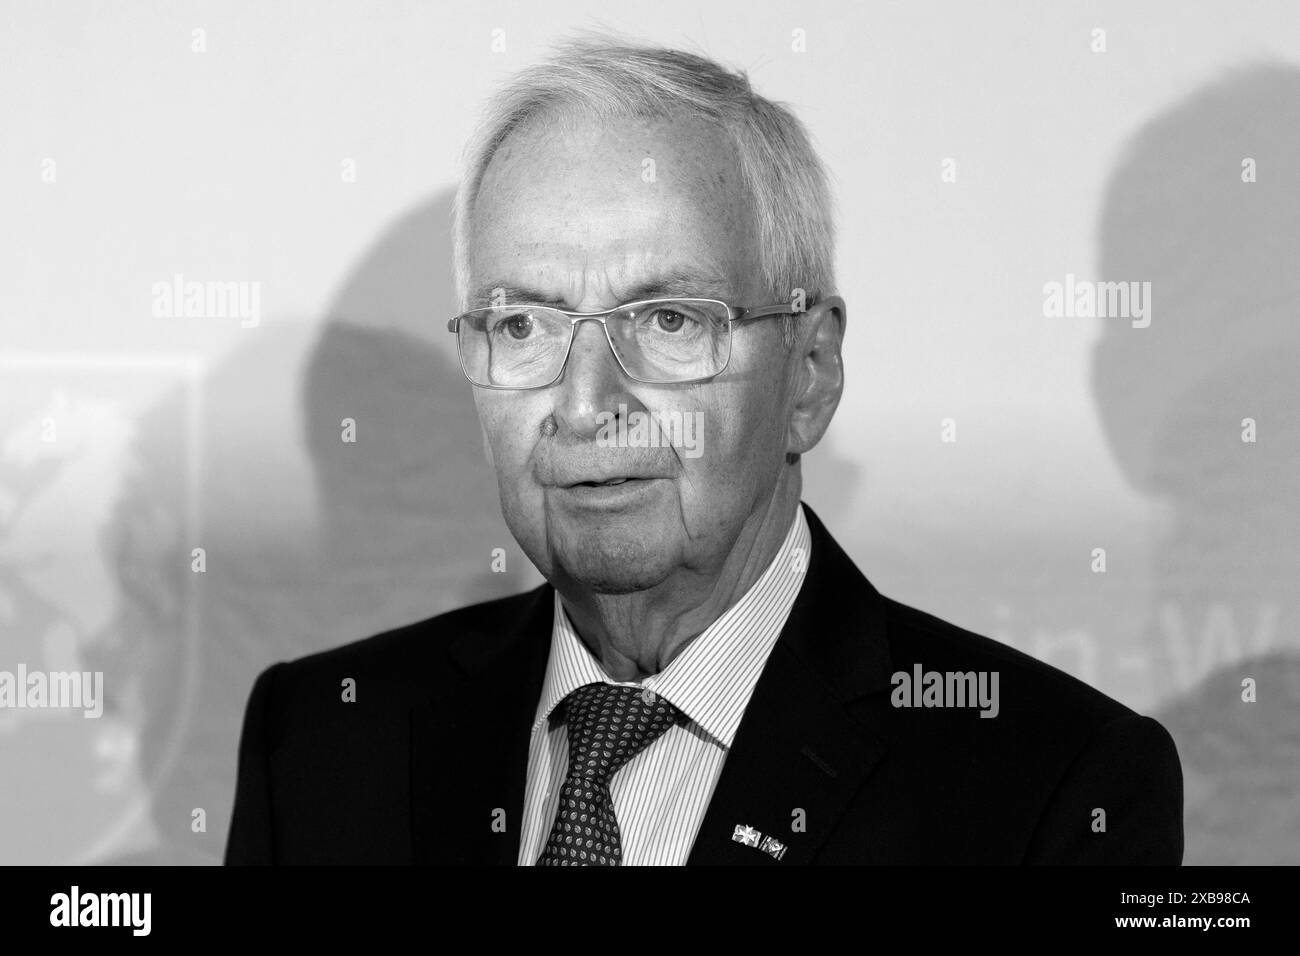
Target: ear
point(819, 379)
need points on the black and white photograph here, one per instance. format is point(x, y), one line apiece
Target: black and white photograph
point(689, 434)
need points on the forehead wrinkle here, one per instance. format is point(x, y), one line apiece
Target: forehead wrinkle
point(549, 272)
point(697, 193)
point(696, 168)
point(670, 282)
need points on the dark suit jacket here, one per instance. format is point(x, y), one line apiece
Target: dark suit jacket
point(428, 764)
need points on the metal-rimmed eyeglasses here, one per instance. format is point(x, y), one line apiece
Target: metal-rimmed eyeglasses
point(656, 341)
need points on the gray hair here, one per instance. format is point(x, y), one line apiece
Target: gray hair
point(610, 77)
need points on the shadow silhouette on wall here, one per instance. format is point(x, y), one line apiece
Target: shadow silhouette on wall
point(391, 528)
point(1204, 205)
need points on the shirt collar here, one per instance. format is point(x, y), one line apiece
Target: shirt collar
point(712, 680)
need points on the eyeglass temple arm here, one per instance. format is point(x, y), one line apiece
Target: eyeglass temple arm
point(760, 312)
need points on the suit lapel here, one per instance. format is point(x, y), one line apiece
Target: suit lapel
point(797, 760)
point(799, 756)
point(469, 744)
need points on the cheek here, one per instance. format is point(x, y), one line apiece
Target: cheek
point(740, 444)
point(749, 419)
point(508, 437)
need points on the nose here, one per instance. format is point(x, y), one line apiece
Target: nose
point(593, 382)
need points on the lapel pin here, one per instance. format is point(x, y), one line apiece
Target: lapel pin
point(773, 847)
point(745, 835)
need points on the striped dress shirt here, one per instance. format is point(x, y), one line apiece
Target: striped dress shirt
point(661, 795)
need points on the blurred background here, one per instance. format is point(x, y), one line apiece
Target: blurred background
point(309, 150)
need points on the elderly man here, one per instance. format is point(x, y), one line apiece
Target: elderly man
point(644, 259)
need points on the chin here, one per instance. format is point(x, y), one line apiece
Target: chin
point(612, 585)
point(614, 565)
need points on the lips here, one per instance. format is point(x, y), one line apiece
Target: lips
point(607, 494)
point(603, 474)
point(604, 482)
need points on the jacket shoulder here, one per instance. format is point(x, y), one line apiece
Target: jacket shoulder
point(398, 666)
point(1030, 689)
point(1031, 779)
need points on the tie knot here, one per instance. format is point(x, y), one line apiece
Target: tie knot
point(609, 725)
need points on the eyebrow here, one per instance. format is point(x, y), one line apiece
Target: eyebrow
point(671, 284)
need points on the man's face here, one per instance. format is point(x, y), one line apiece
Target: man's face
point(587, 216)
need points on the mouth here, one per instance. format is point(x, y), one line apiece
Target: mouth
point(616, 493)
point(603, 483)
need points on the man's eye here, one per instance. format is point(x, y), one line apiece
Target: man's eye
point(667, 320)
point(518, 326)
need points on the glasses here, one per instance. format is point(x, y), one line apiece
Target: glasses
point(657, 342)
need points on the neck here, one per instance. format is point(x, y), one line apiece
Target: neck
point(637, 635)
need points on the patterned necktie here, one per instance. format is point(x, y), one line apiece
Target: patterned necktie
point(608, 726)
